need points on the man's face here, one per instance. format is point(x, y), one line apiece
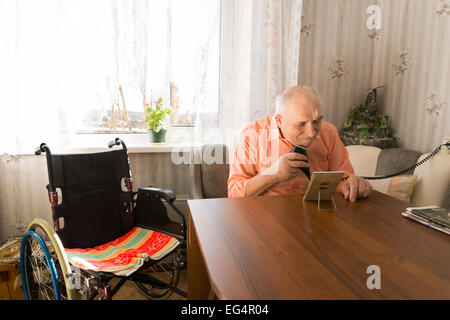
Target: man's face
point(301, 120)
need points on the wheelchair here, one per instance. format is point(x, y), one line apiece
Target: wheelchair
point(102, 230)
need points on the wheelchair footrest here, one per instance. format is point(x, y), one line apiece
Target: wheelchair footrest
point(126, 254)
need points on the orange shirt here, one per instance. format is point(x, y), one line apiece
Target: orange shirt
point(262, 143)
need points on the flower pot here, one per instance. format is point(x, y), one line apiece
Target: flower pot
point(156, 137)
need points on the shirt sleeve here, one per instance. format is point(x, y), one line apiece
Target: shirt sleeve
point(244, 164)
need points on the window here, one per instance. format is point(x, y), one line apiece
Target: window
point(115, 57)
point(195, 45)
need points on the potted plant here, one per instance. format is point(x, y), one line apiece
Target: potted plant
point(156, 120)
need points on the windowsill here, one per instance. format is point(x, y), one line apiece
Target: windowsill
point(135, 143)
point(178, 140)
point(147, 148)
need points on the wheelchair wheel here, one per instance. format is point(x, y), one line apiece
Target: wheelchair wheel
point(39, 277)
point(167, 272)
point(41, 259)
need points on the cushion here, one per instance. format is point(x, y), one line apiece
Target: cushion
point(364, 159)
point(396, 159)
point(126, 254)
point(400, 187)
point(433, 179)
point(446, 203)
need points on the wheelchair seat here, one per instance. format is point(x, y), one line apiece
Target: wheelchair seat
point(103, 230)
point(126, 254)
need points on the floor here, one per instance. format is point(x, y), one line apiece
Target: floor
point(130, 292)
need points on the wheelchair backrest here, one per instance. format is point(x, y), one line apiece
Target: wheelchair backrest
point(95, 208)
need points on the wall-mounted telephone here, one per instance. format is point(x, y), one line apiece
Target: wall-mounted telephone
point(302, 150)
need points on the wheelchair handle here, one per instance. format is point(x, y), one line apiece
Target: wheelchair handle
point(44, 148)
point(117, 142)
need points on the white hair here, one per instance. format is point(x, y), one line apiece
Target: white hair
point(282, 99)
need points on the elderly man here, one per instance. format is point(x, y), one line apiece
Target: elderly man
point(263, 163)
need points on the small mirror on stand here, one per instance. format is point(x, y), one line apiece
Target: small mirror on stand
point(322, 186)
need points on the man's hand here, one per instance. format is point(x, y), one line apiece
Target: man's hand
point(287, 167)
point(355, 187)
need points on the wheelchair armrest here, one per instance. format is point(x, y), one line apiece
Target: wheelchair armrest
point(167, 195)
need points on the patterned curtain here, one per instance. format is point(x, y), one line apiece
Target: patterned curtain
point(343, 56)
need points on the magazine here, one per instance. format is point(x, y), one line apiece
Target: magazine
point(432, 216)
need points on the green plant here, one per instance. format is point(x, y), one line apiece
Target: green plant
point(348, 125)
point(156, 116)
point(364, 125)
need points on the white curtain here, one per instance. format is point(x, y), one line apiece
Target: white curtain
point(62, 62)
point(259, 59)
point(65, 63)
point(27, 56)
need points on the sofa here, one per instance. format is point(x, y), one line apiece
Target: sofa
point(428, 184)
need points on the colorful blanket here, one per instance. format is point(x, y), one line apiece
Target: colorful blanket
point(126, 254)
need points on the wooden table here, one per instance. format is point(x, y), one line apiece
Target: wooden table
point(280, 247)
